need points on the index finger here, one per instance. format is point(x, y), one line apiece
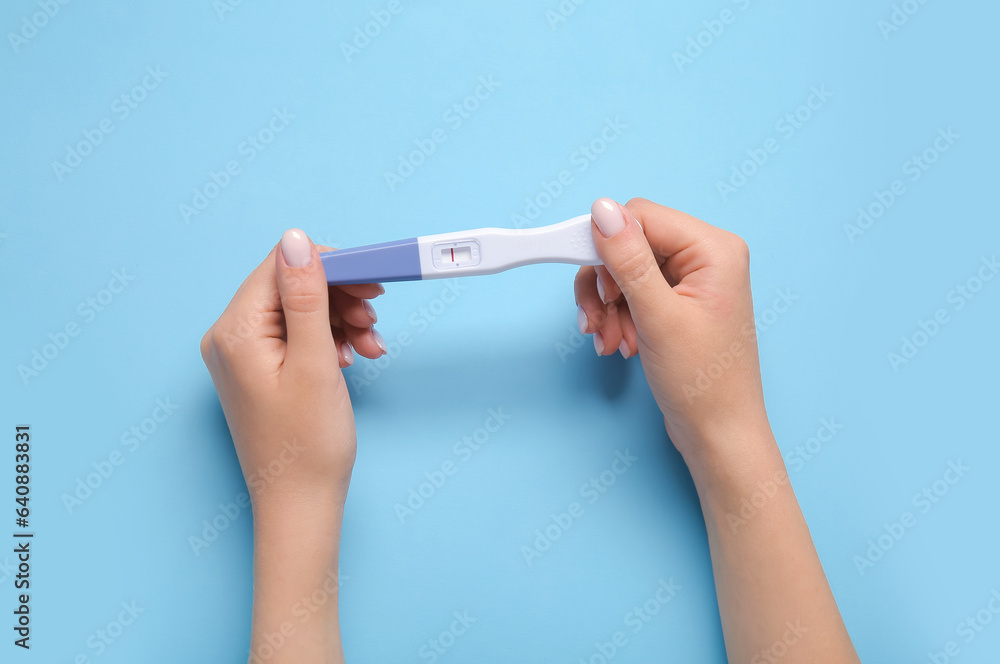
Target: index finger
point(669, 231)
point(258, 292)
point(688, 244)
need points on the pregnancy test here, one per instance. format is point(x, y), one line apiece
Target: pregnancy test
point(465, 253)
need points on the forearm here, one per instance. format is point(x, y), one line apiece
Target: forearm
point(296, 556)
point(774, 598)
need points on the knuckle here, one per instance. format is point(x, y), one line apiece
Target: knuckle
point(634, 271)
point(210, 345)
point(737, 246)
point(304, 302)
point(216, 346)
point(206, 346)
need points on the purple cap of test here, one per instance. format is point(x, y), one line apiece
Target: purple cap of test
point(388, 261)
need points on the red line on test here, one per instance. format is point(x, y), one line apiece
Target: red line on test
point(453, 254)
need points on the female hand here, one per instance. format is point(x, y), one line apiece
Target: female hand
point(676, 291)
point(275, 356)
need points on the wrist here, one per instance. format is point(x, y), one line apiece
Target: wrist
point(295, 468)
point(318, 493)
point(744, 489)
point(289, 520)
point(731, 461)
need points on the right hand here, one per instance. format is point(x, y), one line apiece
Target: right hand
point(676, 290)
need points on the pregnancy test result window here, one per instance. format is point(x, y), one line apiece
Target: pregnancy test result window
point(463, 253)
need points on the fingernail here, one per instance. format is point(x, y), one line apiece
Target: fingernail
point(623, 349)
point(347, 354)
point(631, 217)
point(599, 343)
point(600, 289)
point(381, 289)
point(296, 248)
point(608, 216)
point(370, 310)
point(581, 320)
point(379, 340)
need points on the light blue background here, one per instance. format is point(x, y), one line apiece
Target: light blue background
point(497, 345)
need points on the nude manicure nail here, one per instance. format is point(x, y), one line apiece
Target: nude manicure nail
point(599, 343)
point(370, 310)
point(581, 319)
point(608, 216)
point(296, 248)
point(380, 341)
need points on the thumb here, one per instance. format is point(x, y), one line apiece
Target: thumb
point(627, 255)
point(305, 301)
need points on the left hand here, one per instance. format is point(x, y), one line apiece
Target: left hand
point(275, 356)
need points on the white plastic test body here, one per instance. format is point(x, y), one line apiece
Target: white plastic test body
point(464, 253)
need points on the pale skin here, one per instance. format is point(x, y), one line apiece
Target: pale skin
point(676, 296)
